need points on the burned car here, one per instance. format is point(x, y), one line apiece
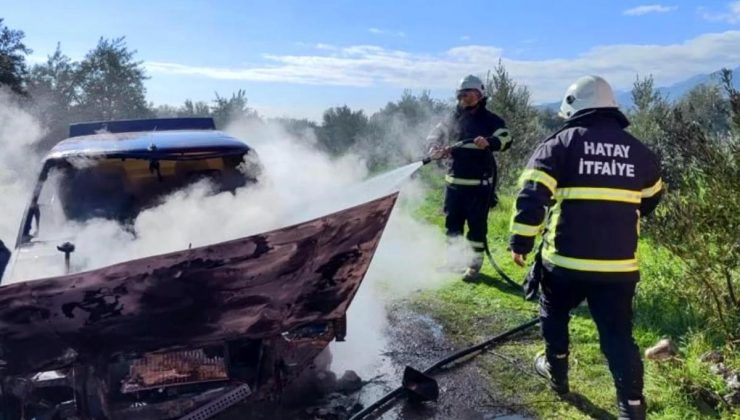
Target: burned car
point(113, 171)
point(179, 335)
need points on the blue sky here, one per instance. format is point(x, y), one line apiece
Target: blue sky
point(296, 58)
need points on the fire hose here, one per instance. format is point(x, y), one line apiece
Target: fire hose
point(420, 386)
point(459, 144)
point(498, 269)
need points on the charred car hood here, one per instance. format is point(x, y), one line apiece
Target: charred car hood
point(254, 287)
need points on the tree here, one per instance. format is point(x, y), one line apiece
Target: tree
point(397, 133)
point(512, 102)
point(734, 97)
point(166, 111)
point(188, 109)
point(194, 109)
point(549, 119)
point(54, 91)
point(644, 95)
point(111, 83)
point(699, 219)
point(300, 129)
point(226, 110)
point(645, 123)
point(340, 129)
point(13, 69)
point(413, 110)
point(223, 111)
point(706, 105)
point(55, 80)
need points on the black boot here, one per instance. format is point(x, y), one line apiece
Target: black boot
point(472, 273)
point(555, 370)
point(631, 409)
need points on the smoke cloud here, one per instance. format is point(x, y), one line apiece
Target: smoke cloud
point(19, 131)
point(399, 132)
point(297, 183)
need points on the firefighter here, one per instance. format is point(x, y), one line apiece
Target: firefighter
point(471, 176)
point(597, 181)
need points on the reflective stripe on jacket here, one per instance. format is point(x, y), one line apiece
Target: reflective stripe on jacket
point(469, 161)
point(594, 180)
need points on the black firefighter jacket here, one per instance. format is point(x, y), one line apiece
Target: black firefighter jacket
point(469, 164)
point(597, 180)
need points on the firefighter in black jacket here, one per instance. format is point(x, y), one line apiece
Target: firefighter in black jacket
point(471, 177)
point(597, 181)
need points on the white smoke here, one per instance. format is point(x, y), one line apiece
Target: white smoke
point(19, 131)
point(297, 183)
point(410, 251)
point(407, 260)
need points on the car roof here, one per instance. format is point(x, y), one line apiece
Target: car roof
point(172, 141)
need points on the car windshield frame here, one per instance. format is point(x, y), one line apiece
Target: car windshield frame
point(32, 212)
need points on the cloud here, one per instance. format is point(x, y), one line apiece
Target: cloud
point(465, 38)
point(732, 15)
point(378, 31)
point(322, 46)
point(649, 8)
point(370, 65)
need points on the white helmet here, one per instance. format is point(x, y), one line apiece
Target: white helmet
point(586, 93)
point(471, 82)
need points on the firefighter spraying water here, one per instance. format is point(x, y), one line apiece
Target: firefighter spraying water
point(472, 173)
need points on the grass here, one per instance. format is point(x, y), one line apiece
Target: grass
point(679, 389)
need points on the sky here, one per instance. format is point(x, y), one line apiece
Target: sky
point(298, 58)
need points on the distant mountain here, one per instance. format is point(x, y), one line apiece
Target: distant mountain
point(672, 92)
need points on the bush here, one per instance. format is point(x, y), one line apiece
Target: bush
point(699, 219)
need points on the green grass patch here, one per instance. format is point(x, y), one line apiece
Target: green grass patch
point(470, 313)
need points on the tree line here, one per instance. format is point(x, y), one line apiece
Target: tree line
point(108, 83)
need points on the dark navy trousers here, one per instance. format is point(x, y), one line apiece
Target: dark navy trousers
point(468, 204)
point(610, 304)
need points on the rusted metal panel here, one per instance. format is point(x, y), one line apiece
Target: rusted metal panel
point(156, 370)
point(255, 287)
